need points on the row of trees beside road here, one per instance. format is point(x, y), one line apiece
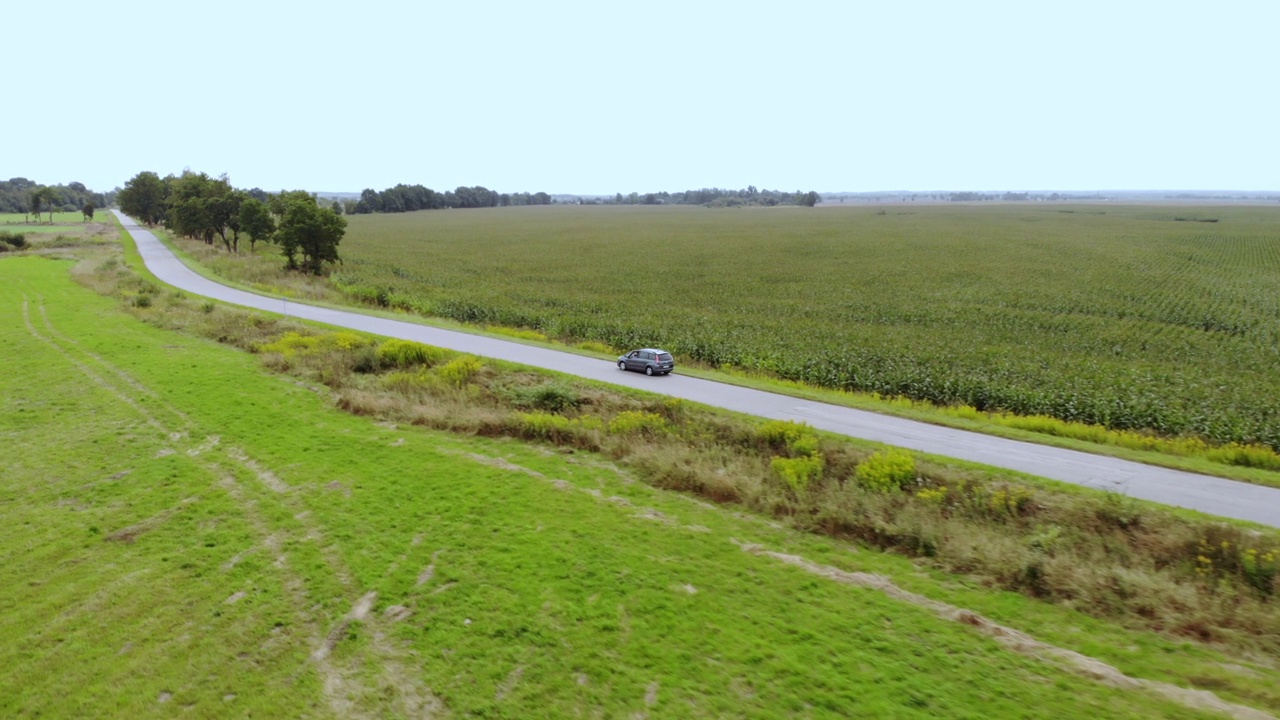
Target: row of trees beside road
point(210, 209)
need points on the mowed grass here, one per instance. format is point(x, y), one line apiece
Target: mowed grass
point(67, 223)
point(1142, 318)
point(186, 533)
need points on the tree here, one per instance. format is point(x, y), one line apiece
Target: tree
point(50, 199)
point(311, 231)
point(144, 197)
point(279, 202)
point(36, 202)
point(336, 207)
point(255, 221)
point(88, 211)
point(808, 199)
point(201, 207)
point(369, 201)
point(223, 208)
point(235, 200)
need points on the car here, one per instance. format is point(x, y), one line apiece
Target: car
point(650, 361)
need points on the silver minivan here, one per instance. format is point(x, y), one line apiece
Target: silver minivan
point(650, 361)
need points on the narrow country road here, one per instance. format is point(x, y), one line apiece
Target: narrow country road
point(1207, 494)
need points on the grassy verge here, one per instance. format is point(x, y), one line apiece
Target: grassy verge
point(1115, 559)
point(1248, 463)
point(189, 533)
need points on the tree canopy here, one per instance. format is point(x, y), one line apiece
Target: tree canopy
point(202, 207)
point(256, 221)
point(15, 196)
point(309, 231)
point(719, 197)
point(198, 206)
point(145, 197)
point(408, 198)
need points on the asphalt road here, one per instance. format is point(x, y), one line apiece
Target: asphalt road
point(1211, 495)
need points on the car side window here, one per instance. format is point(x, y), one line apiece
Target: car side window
point(635, 354)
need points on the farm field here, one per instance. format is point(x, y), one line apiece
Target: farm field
point(1161, 318)
point(186, 532)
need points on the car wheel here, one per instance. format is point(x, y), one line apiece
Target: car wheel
point(648, 370)
point(622, 365)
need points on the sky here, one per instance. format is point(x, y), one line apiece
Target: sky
point(605, 97)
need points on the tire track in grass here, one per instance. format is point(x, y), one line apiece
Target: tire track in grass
point(411, 697)
point(1014, 640)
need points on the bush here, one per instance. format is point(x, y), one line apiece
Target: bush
point(638, 422)
point(405, 353)
point(416, 383)
point(887, 471)
point(288, 344)
point(554, 397)
point(366, 360)
point(343, 340)
point(798, 472)
point(796, 439)
point(545, 426)
point(460, 370)
point(296, 343)
point(933, 496)
point(1009, 501)
point(15, 241)
point(1227, 553)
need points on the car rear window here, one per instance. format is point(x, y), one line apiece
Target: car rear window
point(664, 356)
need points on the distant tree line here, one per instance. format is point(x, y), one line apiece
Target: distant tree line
point(407, 198)
point(210, 209)
point(717, 197)
point(20, 195)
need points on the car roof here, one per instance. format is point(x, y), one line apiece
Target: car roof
point(656, 350)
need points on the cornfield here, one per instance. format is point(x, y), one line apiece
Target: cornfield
point(1135, 318)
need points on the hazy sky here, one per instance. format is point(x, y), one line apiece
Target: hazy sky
point(604, 97)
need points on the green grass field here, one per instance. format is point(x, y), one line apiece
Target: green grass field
point(68, 223)
point(187, 533)
point(1148, 318)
